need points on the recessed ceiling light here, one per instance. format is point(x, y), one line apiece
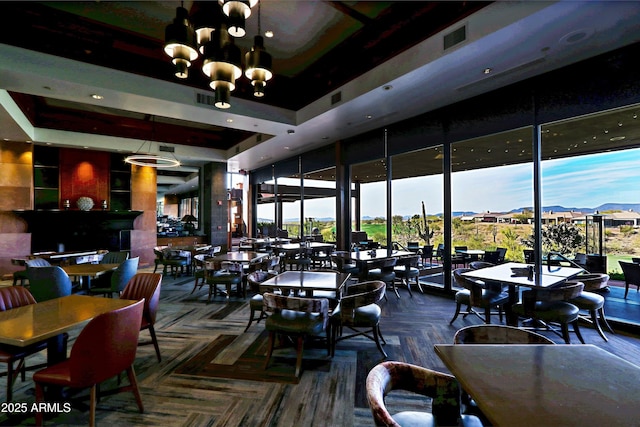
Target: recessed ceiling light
point(96, 96)
point(487, 70)
point(268, 33)
point(369, 116)
point(229, 120)
point(617, 138)
point(387, 87)
point(286, 147)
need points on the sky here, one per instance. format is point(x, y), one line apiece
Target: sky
point(579, 182)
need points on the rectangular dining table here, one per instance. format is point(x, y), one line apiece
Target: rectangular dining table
point(307, 282)
point(364, 259)
point(47, 320)
point(546, 385)
point(86, 272)
point(240, 256)
point(511, 274)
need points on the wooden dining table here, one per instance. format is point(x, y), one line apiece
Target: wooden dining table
point(47, 320)
point(86, 272)
point(306, 282)
point(546, 385)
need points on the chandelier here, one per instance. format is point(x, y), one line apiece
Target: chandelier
point(146, 158)
point(210, 34)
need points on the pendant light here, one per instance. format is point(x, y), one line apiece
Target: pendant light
point(206, 17)
point(258, 63)
point(222, 64)
point(237, 11)
point(180, 42)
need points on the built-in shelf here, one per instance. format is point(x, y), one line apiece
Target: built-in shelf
point(78, 230)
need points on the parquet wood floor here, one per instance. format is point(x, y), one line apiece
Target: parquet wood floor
point(332, 395)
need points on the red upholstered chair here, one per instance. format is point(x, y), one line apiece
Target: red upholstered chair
point(147, 286)
point(13, 297)
point(104, 348)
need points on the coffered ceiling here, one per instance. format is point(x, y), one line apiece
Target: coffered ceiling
point(341, 68)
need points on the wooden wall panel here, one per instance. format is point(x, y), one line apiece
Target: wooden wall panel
point(84, 173)
point(143, 238)
point(16, 192)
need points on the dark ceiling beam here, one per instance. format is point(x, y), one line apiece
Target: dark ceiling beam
point(340, 6)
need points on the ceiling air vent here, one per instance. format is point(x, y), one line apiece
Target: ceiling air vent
point(455, 37)
point(166, 148)
point(336, 97)
point(204, 98)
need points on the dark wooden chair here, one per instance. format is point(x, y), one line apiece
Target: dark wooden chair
point(442, 388)
point(477, 294)
point(551, 306)
point(104, 348)
point(631, 272)
point(256, 303)
point(358, 310)
point(298, 318)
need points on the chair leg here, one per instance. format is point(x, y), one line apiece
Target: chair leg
point(272, 338)
point(92, 405)
point(154, 339)
point(455, 315)
point(376, 338)
point(250, 319)
point(594, 319)
point(299, 350)
point(131, 374)
point(565, 333)
point(603, 319)
point(576, 329)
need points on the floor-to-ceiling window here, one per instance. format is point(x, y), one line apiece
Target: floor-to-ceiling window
point(492, 192)
point(370, 208)
point(417, 200)
point(590, 169)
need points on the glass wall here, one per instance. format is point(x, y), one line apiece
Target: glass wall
point(369, 205)
point(417, 197)
point(590, 171)
point(492, 193)
point(320, 205)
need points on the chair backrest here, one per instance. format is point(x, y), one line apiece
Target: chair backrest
point(385, 264)
point(477, 265)
point(413, 246)
point(502, 252)
point(631, 272)
point(147, 286)
point(275, 303)
point(566, 292)
point(15, 296)
point(529, 256)
point(116, 257)
point(37, 262)
point(125, 271)
point(491, 256)
point(460, 248)
point(635, 260)
point(47, 283)
point(360, 295)
point(427, 251)
point(256, 277)
point(440, 250)
point(498, 334)
point(106, 346)
point(475, 287)
point(388, 376)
